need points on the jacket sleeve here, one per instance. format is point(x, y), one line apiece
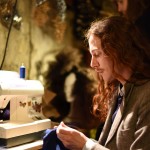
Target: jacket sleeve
point(142, 133)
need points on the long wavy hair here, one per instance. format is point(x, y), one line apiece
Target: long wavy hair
point(133, 12)
point(123, 43)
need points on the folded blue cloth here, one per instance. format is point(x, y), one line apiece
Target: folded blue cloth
point(51, 142)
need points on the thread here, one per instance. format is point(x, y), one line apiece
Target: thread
point(22, 71)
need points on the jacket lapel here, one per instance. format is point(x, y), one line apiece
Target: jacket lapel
point(116, 121)
point(108, 122)
point(118, 118)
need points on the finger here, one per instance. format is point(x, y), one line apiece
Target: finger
point(55, 127)
point(63, 124)
point(65, 130)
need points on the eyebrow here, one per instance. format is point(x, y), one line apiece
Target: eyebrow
point(95, 50)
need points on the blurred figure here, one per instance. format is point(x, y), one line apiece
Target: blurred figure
point(137, 11)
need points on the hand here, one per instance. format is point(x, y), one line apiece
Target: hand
point(71, 138)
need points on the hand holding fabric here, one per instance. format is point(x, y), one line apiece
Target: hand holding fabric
point(71, 138)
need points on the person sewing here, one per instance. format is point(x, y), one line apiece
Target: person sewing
point(121, 61)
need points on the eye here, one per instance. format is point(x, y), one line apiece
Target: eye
point(97, 54)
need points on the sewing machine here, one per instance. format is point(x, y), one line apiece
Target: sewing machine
point(26, 122)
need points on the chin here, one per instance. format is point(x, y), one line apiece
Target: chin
point(109, 81)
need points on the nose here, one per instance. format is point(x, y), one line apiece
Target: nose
point(94, 62)
point(119, 7)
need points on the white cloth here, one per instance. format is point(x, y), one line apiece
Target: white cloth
point(89, 144)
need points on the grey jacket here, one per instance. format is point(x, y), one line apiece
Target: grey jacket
point(131, 127)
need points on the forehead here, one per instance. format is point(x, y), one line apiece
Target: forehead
point(94, 42)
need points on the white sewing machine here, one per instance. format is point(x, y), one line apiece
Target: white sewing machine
point(26, 122)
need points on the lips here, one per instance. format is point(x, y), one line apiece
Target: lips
point(99, 70)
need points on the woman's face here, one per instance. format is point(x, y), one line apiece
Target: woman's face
point(122, 6)
point(100, 62)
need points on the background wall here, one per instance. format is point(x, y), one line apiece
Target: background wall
point(34, 46)
point(18, 49)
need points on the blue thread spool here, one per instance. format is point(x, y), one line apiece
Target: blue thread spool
point(22, 71)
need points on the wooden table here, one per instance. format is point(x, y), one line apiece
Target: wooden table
point(37, 145)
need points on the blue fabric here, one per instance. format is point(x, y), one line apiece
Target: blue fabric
point(51, 142)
